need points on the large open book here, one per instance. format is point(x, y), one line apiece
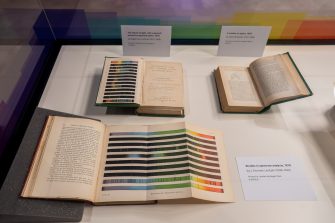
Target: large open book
point(154, 87)
point(84, 159)
point(267, 81)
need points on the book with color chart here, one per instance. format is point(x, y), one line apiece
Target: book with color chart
point(153, 87)
point(267, 81)
point(84, 159)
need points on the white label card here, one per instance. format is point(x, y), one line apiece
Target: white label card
point(243, 41)
point(273, 178)
point(146, 40)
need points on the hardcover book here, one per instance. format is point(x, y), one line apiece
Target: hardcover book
point(267, 81)
point(153, 87)
point(84, 159)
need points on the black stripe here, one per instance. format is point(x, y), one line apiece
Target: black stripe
point(147, 144)
point(180, 165)
point(120, 79)
point(121, 89)
point(111, 150)
point(202, 156)
point(201, 140)
point(120, 86)
point(120, 82)
point(120, 96)
point(204, 168)
point(205, 175)
point(146, 155)
point(214, 153)
point(118, 100)
point(201, 145)
point(146, 174)
point(147, 138)
point(118, 93)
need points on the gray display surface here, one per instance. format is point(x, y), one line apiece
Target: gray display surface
point(13, 208)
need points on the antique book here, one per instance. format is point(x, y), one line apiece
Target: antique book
point(267, 81)
point(84, 159)
point(153, 87)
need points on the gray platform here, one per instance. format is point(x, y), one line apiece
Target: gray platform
point(16, 209)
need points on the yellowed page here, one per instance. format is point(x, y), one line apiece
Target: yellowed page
point(163, 84)
point(239, 87)
point(273, 79)
point(121, 81)
point(208, 165)
point(295, 75)
point(68, 166)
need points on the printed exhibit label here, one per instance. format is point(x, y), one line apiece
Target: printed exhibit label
point(146, 40)
point(243, 41)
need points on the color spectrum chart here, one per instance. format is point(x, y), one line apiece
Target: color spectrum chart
point(121, 81)
point(178, 158)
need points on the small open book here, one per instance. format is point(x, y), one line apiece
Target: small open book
point(84, 159)
point(267, 81)
point(153, 87)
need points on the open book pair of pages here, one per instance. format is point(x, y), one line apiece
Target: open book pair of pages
point(153, 87)
point(267, 81)
point(84, 159)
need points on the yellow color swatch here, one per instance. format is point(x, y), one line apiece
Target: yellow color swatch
point(276, 20)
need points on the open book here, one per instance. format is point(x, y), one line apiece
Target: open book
point(154, 87)
point(84, 159)
point(267, 81)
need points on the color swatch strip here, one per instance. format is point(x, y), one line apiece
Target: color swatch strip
point(121, 82)
point(163, 157)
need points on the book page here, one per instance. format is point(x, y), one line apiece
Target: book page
point(209, 176)
point(119, 81)
point(239, 87)
point(145, 163)
point(163, 84)
point(68, 162)
point(273, 80)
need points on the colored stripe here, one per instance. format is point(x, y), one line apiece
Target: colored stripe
point(118, 96)
point(204, 181)
point(204, 168)
point(123, 89)
point(199, 134)
point(151, 187)
point(211, 189)
point(213, 153)
point(146, 155)
point(201, 145)
point(146, 167)
point(132, 161)
point(200, 140)
point(146, 181)
point(147, 144)
point(205, 175)
point(203, 162)
point(123, 62)
point(148, 139)
point(202, 156)
point(117, 100)
point(148, 133)
point(111, 150)
point(152, 174)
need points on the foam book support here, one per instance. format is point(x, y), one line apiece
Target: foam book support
point(13, 208)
